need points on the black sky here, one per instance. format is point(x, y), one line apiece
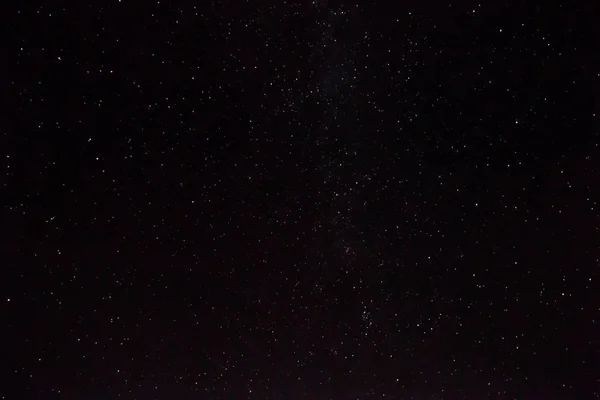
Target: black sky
point(301, 200)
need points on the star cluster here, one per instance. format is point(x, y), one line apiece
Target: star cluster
point(301, 200)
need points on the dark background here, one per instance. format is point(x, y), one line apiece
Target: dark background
point(301, 200)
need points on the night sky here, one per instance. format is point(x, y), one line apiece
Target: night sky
point(286, 200)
